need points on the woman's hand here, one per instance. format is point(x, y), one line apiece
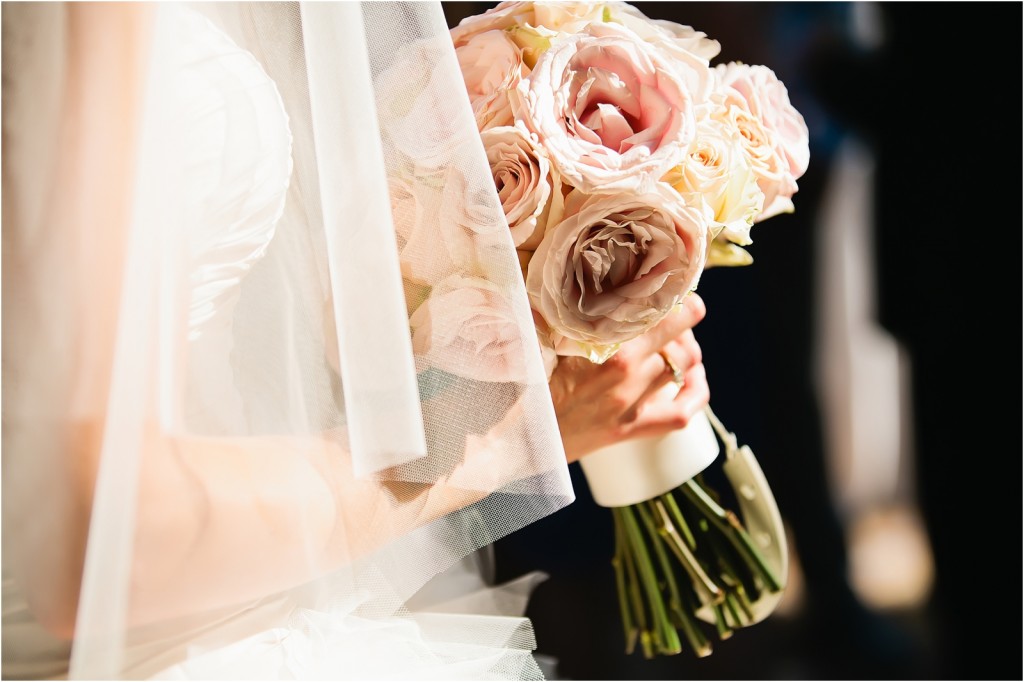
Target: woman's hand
point(632, 395)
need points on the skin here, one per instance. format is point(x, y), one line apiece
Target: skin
point(220, 521)
point(624, 398)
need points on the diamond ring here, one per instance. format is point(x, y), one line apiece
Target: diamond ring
point(671, 366)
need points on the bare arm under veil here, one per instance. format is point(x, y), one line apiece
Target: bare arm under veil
point(268, 362)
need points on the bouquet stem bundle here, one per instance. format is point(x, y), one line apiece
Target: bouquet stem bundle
point(682, 559)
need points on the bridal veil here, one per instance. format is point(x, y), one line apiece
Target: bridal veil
point(269, 368)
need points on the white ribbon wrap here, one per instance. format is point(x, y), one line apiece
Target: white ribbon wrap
point(637, 470)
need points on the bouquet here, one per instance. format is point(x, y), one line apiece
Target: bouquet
point(626, 164)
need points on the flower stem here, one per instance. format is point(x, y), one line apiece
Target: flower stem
point(629, 628)
point(636, 601)
point(733, 610)
point(650, 582)
point(675, 604)
point(733, 530)
point(707, 590)
point(724, 632)
point(669, 501)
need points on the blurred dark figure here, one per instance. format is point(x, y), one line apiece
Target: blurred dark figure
point(933, 112)
point(758, 342)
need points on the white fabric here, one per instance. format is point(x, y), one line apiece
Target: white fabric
point(218, 220)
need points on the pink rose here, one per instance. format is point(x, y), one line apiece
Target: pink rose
point(414, 210)
point(446, 223)
point(417, 114)
point(611, 110)
point(504, 15)
point(491, 65)
point(552, 16)
point(468, 327)
point(614, 267)
point(776, 134)
point(689, 50)
point(470, 224)
point(530, 194)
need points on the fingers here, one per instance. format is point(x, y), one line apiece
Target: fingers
point(683, 317)
point(662, 413)
point(684, 352)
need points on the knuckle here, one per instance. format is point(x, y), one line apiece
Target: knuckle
point(615, 405)
point(679, 420)
point(697, 307)
point(693, 350)
point(617, 365)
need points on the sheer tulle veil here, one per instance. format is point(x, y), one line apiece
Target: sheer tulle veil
point(268, 362)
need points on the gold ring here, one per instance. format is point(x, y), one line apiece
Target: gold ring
point(670, 365)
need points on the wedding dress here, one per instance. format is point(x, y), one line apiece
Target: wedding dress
point(271, 384)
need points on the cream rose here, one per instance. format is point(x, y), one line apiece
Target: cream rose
point(529, 191)
point(491, 65)
point(503, 16)
point(776, 136)
point(468, 327)
point(614, 267)
point(610, 109)
point(550, 17)
point(717, 174)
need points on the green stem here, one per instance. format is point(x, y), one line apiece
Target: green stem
point(691, 628)
point(733, 609)
point(707, 590)
point(724, 632)
point(725, 554)
point(669, 635)
point(646, 570)
point(636, 601)
point(669, 501)
point(733, 530)
point(629, 628)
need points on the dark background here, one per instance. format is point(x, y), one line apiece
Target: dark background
point(938, 102)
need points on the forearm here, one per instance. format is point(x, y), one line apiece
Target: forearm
point(221, 521)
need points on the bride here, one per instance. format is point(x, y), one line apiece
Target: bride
point(271, 382)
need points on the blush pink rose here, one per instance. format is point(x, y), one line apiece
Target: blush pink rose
point(503, 16)
point(447, 223)
point(414, 210)
point(776, 134)
point(549, 17)
point(470, 223)
point(611, 109)
point(491, 65)
point(529, 190)
point(614, 267)
point(689, 50)
point(468, 327)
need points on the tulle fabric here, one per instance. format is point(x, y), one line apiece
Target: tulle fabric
point(218, 222)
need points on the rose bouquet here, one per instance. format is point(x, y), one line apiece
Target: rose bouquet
point(625, 164)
